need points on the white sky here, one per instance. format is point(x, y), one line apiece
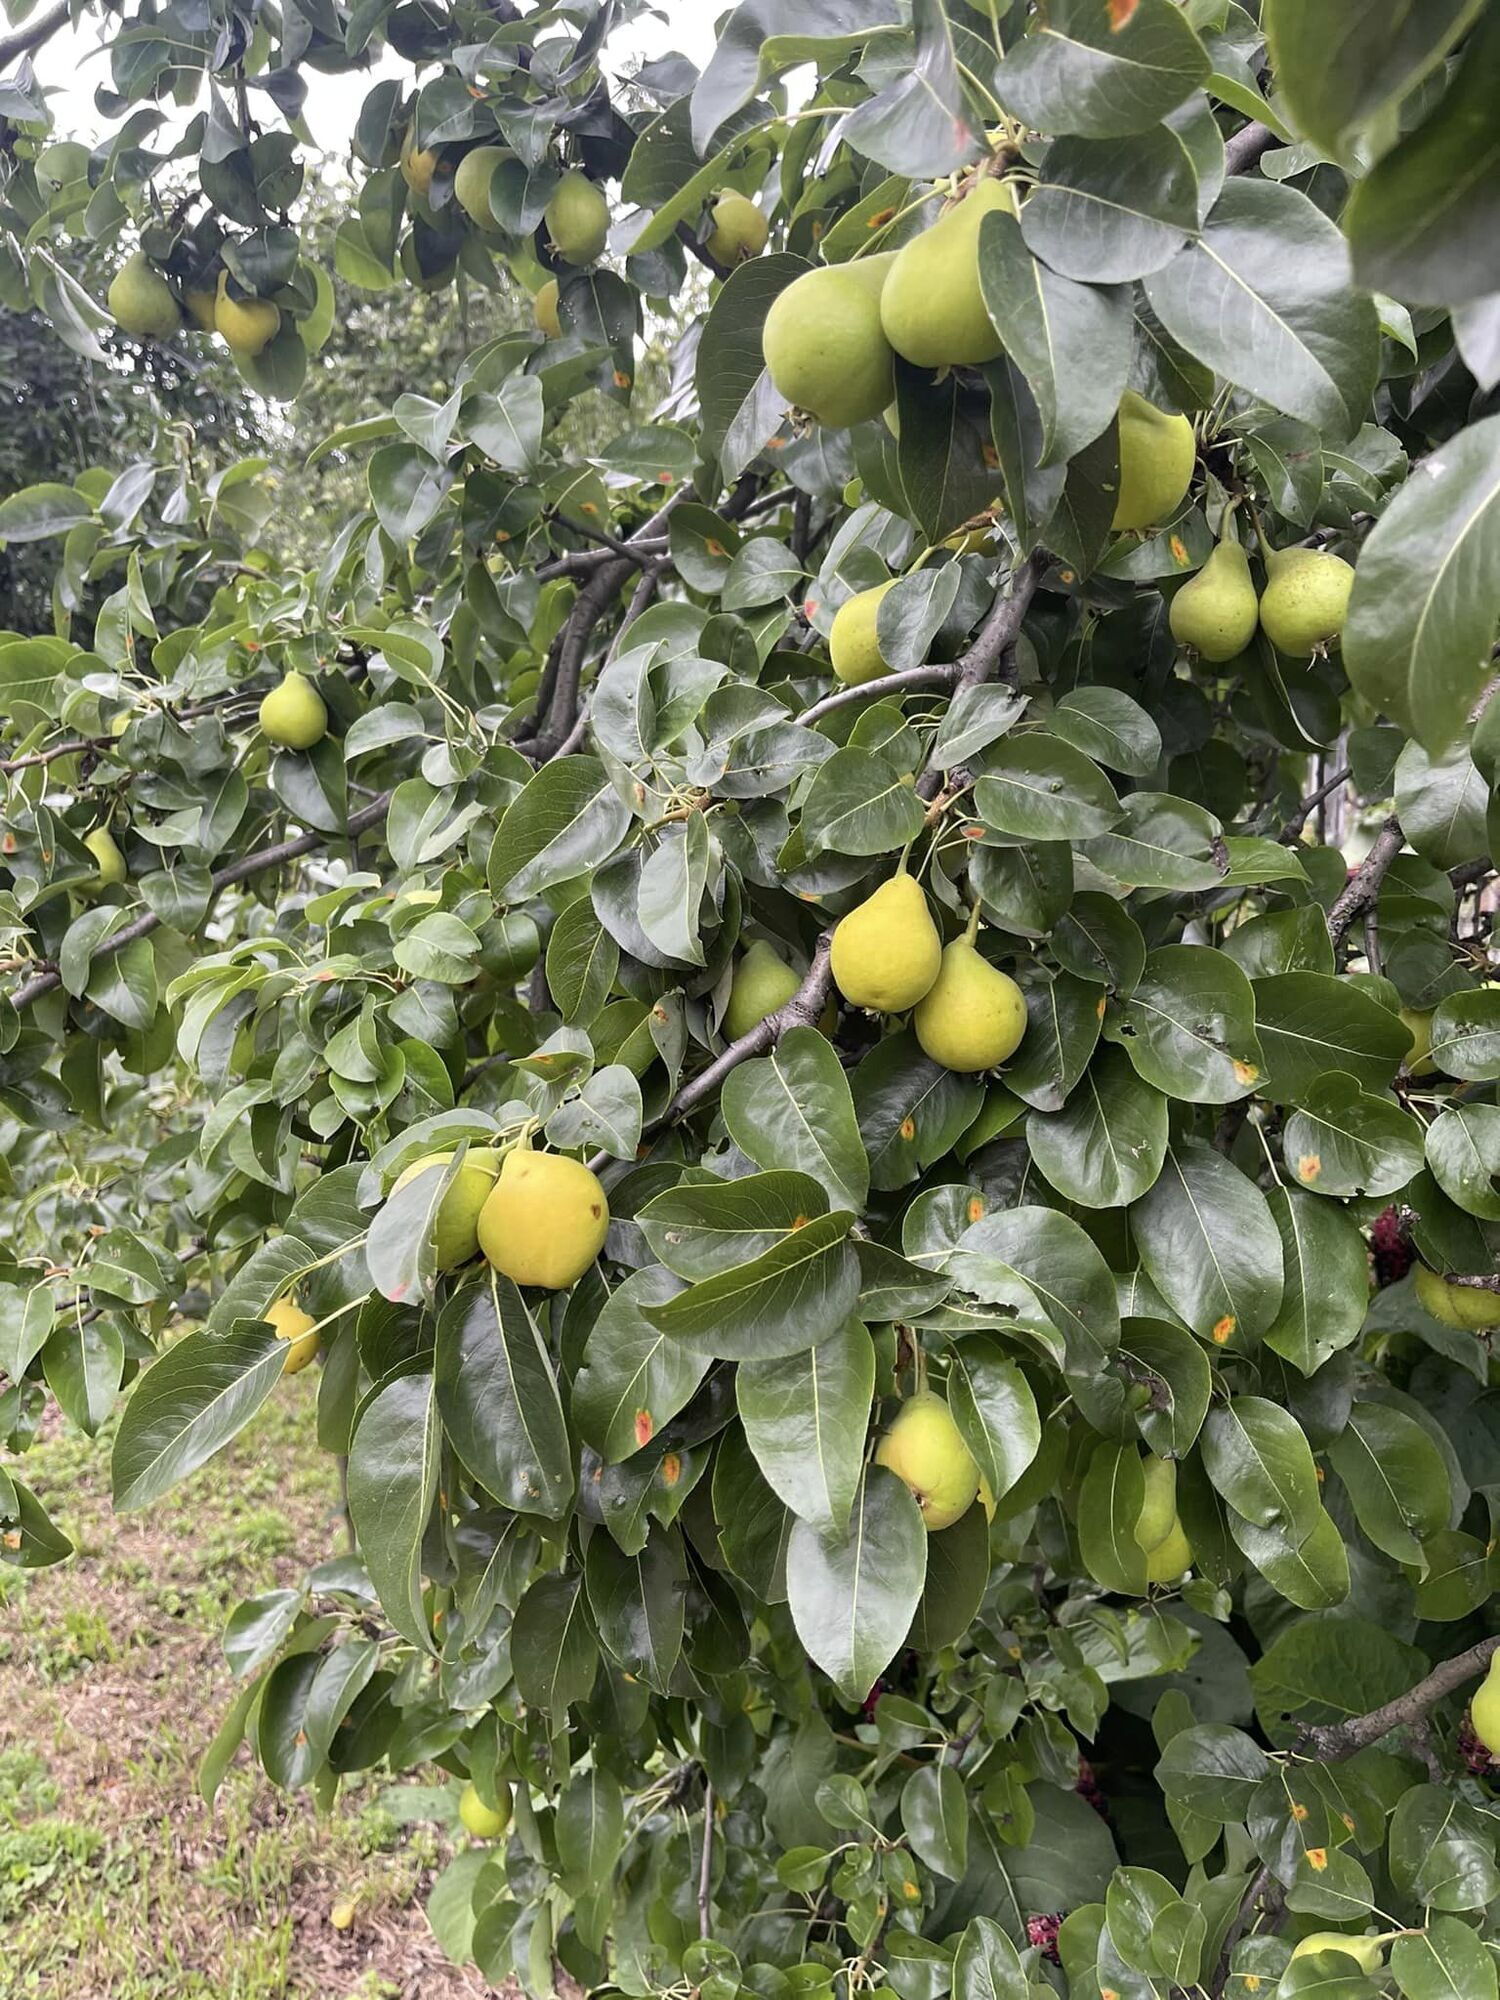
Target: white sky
point(71, 67)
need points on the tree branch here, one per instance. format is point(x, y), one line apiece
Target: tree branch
point(940, 675)
point(1292, 831)
point(237, 871)
point(705, 1867)
point(996, 636)
point(26, 41)
point(801, 1011)
point(1333, 1742)
point(1244, 148)
point(1364, 886)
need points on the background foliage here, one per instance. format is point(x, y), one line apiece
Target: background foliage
point(623, 1551)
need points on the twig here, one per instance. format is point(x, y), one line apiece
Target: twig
point(705, 1866)
point(69, 749)
point(237, 871)
point(1335, 1741)
point(940, 675)
point(1291, 832)
point(1474, 1281)
point(1259, 1886)
point(1364, 885)
point(1243, 150)
point(988, 652)
point(26, 41)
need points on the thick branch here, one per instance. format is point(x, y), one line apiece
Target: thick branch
point(237, 871)
point(801, 1011)
point(995, 638)
point(1364, 886)
point(940, 675)
point(1338, 1740)
point(1243, 150)
point(26, 41)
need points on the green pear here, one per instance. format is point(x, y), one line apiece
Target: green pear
point(887, 953)
point(739, 231)
point(973, 1016)
point(141, 301)
point(852, 645)
point(484, 1822)
point(1171, 1556)
point(293, 714)
point(762, 983)
point(1158, 1515)
point(1216, 612)
point(1484, 1710)
point(1417, 1022)
point(824, 346)
point(1305, 600)
point(931, 308)
point(1456, 1305)
point(246, 325)
point(923, 1446)
point(577, 219)
point(471, 185)
point(111, 869)
point(1157, 454)
point(455, 1232)
point(544, 310)
point(1365, 1951)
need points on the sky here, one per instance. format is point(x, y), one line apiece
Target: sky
point(71, 67)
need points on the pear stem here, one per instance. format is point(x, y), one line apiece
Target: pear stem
point(901, 867)
point(1260, 534)
point(971, 929)
point(1229, 506)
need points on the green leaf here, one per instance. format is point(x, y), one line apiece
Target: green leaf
point(633, 1378)
point(38, 512)
point(1038, 788)
point(1161, 842)
point(1189, 1026)
point(1396, 1479)
point(393, 1471)
point(1326, 1279)
point(567, 821)
point(793, 1108)
point(1212, 1770)
point(1342, 1141)
point(1110, 727)
point(1047, 1269)
point(1416, 642)
point(702, 1227)
point(637, 1602)
point(1441, 802)
point(1463, 1151)
point(1265, 297)
point(1324, 1669)
point(852, 1598)
point(26, 1320)
point(987, 1965)
point(553, 1654)
point(1080, 70)
point(910, 1109)
point(590, 1830)
point(1109, 1506)
point(497, 1396)
point(789, 1298)
point(1313, 1574)
point(1210, 1246)
point(201, 1393)
point(1466, 1035)
point(1309, 1023)
point(935, 1817)
point(860, 802)
point(1339, 63)
point(1105, 1148)
point(806, 1417)
point(1258, 1458)
point(1109, 210)
point(1442, 1850)
point(83, 1362)
point(995, 1410)
point(1447, 1961)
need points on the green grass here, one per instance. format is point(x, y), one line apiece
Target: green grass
point(114, 1877)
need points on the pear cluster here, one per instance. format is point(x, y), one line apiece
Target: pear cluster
point(1306, 598)
point(539, 1218)
point(142, 303)
point(887, 957)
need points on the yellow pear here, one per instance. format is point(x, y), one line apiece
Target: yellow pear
point(932, 309)
point(1171, 1556)
point(1157, 454)
point(1158, 1515)
point(202, 304)
point(455, 1234)
point(484, 1822)
point(293, 714)
point(246, 325)
point(141, 301)
point(294, 1325)
point(111, 869)
point(762, 983)
point(577, 219)
point(887, 953)
point(923, 1447)
point(544, 310)
point(1216, 612)
point(418, 164)
point(545, 1220)
point(973, 1016)
point(824, 345)
point(1484, 1710)
point(1456, 1305)
point(471, 185)
point(1305, 599)
point(852, 645)
point(1417, 1022)
point(1365, 1951)
point(739, 230)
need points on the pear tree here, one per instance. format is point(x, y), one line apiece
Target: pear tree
point(849, 1012)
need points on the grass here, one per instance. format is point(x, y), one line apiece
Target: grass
point(115, 1878)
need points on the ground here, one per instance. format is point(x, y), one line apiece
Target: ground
point(115, 1879)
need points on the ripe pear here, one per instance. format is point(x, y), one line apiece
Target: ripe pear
point(471, 185)
point(923, 1447)
point(293, 714)
point(824, 345)
point(111, 869)
point(418, 165)
point(1157, 453)
point(1305, 600)
point(247, 325)
point(762, 983)
point(887, 953)
point(484, 1822)
point(973, 1016)
point(545, 1220)
point(852, 645)
point(141, 301)
point(1417, 1022)
point(1484, 1710)
point(577, 219)
point(1365, 1951)
point(455, 1234)
point(1456, 1305)
point(203, 307)
point(1216, 612)
point(544, 310)
point(739, 231)
point(1158, 1515)
point(293, 1324)
point(932, 309)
